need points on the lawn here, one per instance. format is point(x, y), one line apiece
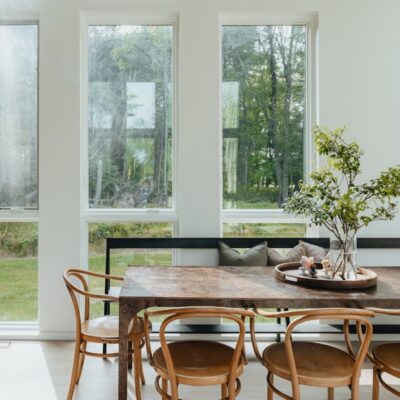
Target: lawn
point(18, 289)
point(19, 281)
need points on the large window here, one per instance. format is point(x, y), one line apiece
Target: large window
point(18, 116)
point(18, 172)
point(130, 101)
point(263, 114)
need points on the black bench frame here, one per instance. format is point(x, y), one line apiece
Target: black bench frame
point(212, 243)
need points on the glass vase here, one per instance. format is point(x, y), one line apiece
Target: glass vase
point(343, 256)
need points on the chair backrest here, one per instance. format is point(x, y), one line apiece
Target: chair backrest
point(84, 291)
point(347, 315)
point(173, 314)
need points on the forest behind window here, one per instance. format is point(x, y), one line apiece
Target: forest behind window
point(263, 113)
point(18, 116)
point(130, 116)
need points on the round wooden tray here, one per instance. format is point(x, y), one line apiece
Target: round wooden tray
point(288, 272)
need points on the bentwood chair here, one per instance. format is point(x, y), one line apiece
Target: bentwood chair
point(386, 359)
point(315, 364)
point(103, 330)
point(197, 362)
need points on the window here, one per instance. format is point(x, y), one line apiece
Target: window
point(263, 113)
point(120, 259)
point(18, 271)
point(264, 230)
point(130, 124)
point(18, 116)
point(18, 172)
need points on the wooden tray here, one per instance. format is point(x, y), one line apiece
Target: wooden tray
point(288, 272)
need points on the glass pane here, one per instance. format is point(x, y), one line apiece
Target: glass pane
point(18, 271)
point(120, 259)
point(130, 116)
point(263, 106)
point(18, 116)
point(264, 230)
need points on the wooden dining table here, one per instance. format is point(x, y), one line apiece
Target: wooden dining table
point(178, 286)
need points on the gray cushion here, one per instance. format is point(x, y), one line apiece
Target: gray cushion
point(294, 255)
point(255, 256)
point(312, 250)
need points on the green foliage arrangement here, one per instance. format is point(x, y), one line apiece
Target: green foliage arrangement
point(336, 199)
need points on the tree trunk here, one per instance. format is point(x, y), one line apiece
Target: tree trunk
point(118, 137)
point(273, 120)
point(287, 73)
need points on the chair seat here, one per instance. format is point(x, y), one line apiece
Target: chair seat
point(197, 361)
point(317, 364)
point(107, 327)
point(388, 355)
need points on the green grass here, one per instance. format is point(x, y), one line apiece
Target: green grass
point(264, 230)
point(19, 281)
point(18, 289)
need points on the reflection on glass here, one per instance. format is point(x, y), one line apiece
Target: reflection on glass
point(230, 105)
point(141, 105)
point(18, 116)
point(130, 116)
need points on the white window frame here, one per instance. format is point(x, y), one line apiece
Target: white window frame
point(311, 115)
point(119, 215)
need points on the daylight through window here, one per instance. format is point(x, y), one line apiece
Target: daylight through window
point(263, 113)
point(130, 116)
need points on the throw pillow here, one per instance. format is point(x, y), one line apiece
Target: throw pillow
point(294, 255)
point(255, 256)
point(312, 250)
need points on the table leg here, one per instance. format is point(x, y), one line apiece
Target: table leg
point(127, 311)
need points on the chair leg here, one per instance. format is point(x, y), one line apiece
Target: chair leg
point(331, 393)
point(270, 392)
point(136, 367)
point(355, 391)
point(141, 371)
point(224, 391)
point(130, 346)
point(231, 389)
point(81, 362)
point(164, 384)
point(375, 385)
point(74, 373)
point(278, 320)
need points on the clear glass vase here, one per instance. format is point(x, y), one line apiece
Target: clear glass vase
point(343, 256)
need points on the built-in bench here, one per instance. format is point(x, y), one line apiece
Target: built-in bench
point(212, 243)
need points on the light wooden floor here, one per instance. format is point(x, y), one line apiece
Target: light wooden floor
point(41, 371)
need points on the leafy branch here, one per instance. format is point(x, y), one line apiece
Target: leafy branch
point(334, 199)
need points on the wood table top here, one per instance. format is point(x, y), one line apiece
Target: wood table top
point(251, 286)
point(247, 286)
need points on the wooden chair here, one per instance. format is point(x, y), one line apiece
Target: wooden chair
point(310, 363)
point(197, 362)
point(104, 330)
point(386, 359)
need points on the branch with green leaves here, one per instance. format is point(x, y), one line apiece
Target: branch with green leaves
point(333, 197)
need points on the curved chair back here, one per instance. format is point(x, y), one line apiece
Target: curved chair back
point(174, 314)
point(347, 315)
point(84, 291)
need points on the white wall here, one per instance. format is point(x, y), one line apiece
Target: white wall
point(359, 85)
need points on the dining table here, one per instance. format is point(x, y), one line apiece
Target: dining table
point(254, 287)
